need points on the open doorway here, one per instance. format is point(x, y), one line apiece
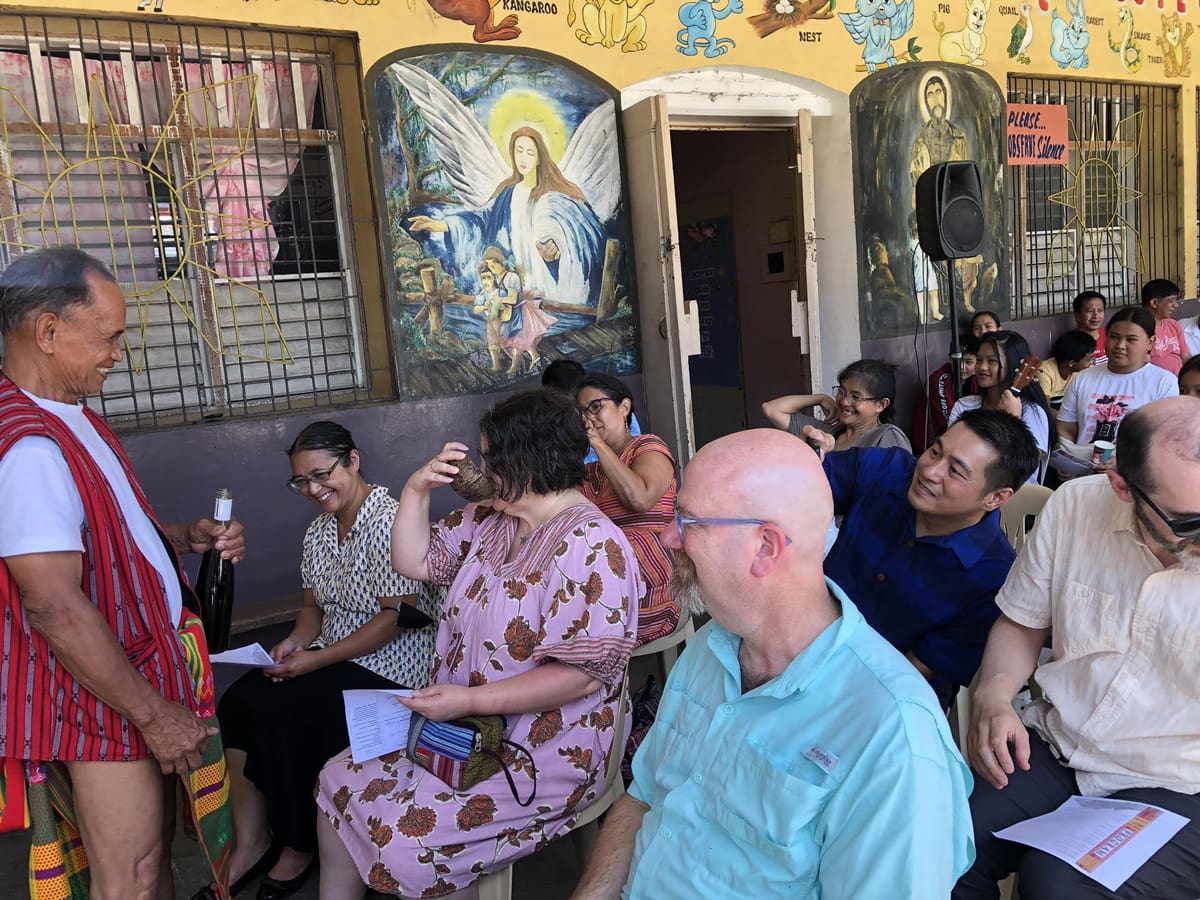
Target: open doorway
point(736, 205)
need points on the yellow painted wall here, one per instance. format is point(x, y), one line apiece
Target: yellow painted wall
point(820, 48)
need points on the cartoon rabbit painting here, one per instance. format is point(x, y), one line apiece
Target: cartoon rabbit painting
point(875, 24)
point(1068, 43)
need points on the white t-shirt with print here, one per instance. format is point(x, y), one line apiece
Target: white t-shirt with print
point(1098, 396)
point(35, 479)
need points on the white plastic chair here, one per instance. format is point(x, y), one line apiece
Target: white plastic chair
point(1027, 501)
point(667, 647)
point(498, 885)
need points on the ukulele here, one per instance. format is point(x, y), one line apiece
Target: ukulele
point(1030, 366)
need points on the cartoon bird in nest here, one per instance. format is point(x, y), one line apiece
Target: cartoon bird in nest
point(779, 14)
point(1022, 37)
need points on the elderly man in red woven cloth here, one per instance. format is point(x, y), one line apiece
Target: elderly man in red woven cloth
point(105, 687)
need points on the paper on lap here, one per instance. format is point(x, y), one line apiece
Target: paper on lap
point(377, 722)
point(1106, 840)
point(250, 655)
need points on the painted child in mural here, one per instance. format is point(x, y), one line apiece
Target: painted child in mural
point(526, 321)
point(495, 310)
point(545, 218)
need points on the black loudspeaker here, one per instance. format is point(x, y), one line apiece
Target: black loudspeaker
point(950, 210)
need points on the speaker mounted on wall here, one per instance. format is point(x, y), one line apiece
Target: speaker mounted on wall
point(950, 210)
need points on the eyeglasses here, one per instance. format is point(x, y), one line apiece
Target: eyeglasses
point(593, 408)
point(855, 397)
point(681, 521)
point(300, 483)
point(1184, 526)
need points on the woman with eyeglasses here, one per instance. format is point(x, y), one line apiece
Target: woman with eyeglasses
point(858, 415)
point(633, 483)
point(540, 620)
point(282, 723)
point(997, 365)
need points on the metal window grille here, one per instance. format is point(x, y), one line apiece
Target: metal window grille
point(205, 165)
point(1110, 218)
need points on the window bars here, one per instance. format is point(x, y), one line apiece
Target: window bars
point(204, 164)
point(1110, 218)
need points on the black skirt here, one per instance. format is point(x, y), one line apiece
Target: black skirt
point(288, 730)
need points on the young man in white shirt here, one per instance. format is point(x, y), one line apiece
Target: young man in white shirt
point(1111, 574)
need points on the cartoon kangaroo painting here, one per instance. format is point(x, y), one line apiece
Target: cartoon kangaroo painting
point(875, 24)
point(1068, 43)
point(699, 20)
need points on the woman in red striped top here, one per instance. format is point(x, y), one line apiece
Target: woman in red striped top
point(633, 483)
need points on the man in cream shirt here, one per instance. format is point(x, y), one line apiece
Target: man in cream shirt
point(1112, 575)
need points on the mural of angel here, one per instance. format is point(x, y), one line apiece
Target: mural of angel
point(510, 165)
point(536, 210)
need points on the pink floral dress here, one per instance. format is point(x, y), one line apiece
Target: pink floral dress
point(570, 596)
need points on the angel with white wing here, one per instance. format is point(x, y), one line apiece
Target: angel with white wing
point(550, 219)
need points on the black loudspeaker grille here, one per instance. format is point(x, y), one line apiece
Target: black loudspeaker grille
point(962, 227)
point(950, 210)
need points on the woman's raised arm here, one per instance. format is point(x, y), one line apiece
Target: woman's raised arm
point(410, 531)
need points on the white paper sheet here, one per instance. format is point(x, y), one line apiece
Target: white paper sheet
point(1107, 840)
point(250, 655)
point(377, 722)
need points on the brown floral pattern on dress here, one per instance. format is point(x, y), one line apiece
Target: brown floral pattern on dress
point(560, 600)
point(381, 834)
point(380, 879)
point(377, 788)
point(479, 810)
point(418, 821)
point(545, 727)
point(520, 639)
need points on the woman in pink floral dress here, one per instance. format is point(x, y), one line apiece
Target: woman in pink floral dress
point(538, 626)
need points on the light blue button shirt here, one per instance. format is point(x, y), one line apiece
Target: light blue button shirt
point(837, 779)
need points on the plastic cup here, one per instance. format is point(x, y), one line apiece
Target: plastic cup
point(1102, 452)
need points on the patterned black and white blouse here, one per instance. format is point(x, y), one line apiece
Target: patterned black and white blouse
point(348, 579)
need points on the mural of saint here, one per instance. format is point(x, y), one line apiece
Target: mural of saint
point(939, 139)
point(503, 177)
point(961, 117)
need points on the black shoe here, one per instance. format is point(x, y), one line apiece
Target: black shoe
point(274, 889)
point(263, 865)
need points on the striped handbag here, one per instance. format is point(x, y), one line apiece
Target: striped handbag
point(466, 751)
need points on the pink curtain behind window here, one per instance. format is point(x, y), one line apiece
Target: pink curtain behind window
point(239, 182)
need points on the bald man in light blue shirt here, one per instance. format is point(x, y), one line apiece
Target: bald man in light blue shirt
point(796, 753)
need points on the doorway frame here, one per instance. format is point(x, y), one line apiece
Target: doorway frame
point(731, 97)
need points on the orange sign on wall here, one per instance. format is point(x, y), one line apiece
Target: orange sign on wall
point(1037, 134)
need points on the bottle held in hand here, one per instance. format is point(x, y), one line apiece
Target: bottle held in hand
point(214, 584)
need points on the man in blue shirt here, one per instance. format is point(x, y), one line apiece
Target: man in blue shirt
point(920, 549)
point(795, 752)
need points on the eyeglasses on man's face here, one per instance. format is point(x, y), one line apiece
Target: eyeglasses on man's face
point(682, 521)
point(593, 408)
point(1186, 527)
point(840, 393)
point(300, 483)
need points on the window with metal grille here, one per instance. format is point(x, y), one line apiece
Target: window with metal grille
point(1109, 219)
point(207, 167)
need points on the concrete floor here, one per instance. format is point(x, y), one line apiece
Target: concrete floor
point(548, 875)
